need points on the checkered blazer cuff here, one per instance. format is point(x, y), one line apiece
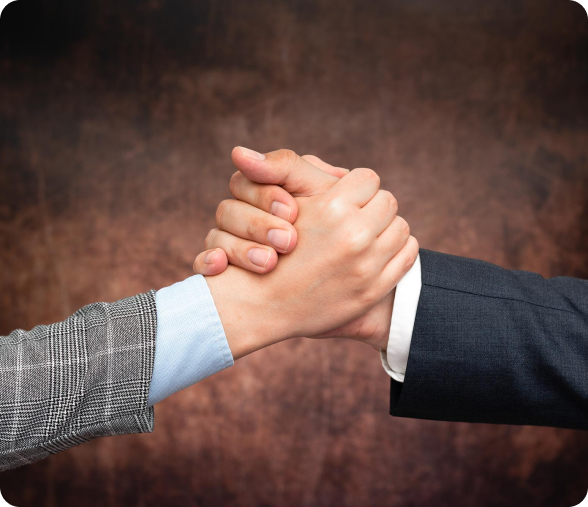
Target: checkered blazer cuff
point(70, 382)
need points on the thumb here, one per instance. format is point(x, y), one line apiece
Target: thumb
point(285, 168)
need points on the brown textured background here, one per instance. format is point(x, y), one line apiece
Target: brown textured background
point(116, 123)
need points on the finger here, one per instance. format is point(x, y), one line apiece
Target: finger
point(243, 253)
point(210, 262)
point(393, 239)
point(248, 222)
point(284, 168)
point(273, 198)
point(380, 211)
point(270, 198)
point(358, 187)
point(338, 172)
point(400, 264)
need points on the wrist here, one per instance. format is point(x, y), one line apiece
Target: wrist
point(387, 323)
point(241, 302)
point(380, 337)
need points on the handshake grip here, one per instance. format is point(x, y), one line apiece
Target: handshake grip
point(300, 235)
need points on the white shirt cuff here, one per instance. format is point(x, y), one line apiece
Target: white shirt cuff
point(406, 300)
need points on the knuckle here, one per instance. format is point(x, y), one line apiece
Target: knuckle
point(403, 226)
point(235, 182)
point(362, 270)
point(265, 195)
point(221, 212)
point(357, 241)
point(208, 241)
point(409, 262)
point(288, 156)
point(388, 203)
point(260, 196)
point(368, 174)
point(369, 297)
point(393, 201)
point(336, 208)
point(412, 254)
point(253, 227)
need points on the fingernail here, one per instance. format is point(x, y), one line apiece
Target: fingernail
point(281, 210)
point(259, 256)
point(209, 257)
point(251, 154)
point(279, 238)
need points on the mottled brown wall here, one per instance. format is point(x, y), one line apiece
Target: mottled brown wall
point(116, 123)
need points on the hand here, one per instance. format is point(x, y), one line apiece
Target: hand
point(247, 228)
point(352, 251)
point(300, 177)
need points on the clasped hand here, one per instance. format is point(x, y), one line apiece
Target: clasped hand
point(343, 249)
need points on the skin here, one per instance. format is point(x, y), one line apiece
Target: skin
point(346, 231)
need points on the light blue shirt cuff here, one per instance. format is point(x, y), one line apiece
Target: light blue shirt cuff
point(191, 343)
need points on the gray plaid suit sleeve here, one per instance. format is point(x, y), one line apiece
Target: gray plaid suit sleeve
point(83, 378)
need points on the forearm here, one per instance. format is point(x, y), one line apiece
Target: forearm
point(491, 345)
point(76, 380)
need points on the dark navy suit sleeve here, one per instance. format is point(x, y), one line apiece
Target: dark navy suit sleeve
point(496, 346)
